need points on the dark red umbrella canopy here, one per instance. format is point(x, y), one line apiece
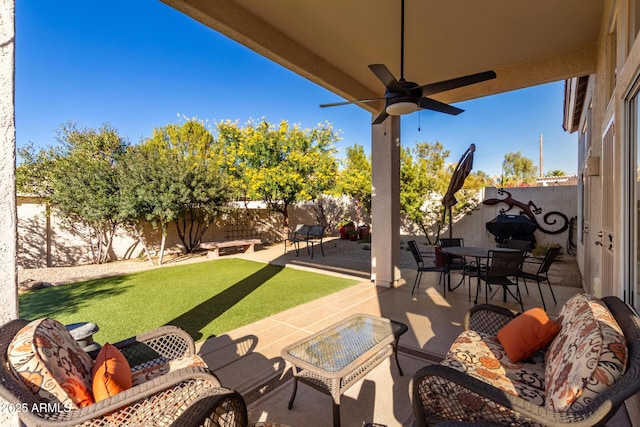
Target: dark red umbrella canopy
point(459, 175)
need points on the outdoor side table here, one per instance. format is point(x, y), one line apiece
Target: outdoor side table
point(337, 357)
point(83, 333)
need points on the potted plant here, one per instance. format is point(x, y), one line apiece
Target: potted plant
point(346, 229)
point(353, 233)
point(363, 231)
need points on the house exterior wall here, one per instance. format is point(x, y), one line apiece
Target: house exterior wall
point(8, 215)
point(609, 211)
point(606, 252)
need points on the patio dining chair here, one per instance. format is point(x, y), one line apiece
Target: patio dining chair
point(542, 274)
point(455, 262)
point(450, 242)
point(428, 263)
point(521, 245)
point(503, 270)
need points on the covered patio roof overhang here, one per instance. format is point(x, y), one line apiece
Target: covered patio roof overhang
point(332, 43)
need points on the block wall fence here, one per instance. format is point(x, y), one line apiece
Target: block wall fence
point(44, 242)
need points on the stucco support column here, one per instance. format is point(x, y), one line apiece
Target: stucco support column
point(385, 202)
point(8, 224)
point(8, 216)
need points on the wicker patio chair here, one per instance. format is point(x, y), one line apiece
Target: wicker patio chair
point(188, 396)
point(440, 393)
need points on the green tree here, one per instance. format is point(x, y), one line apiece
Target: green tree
point(148, 192)
point(518, 170)
point(556, 172)
point(78, 180)
point(280, 165)
point(190, 184)
point(34, 170)
point(354, 179)
point(423, 181)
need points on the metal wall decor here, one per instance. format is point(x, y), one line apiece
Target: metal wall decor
point(531, 210)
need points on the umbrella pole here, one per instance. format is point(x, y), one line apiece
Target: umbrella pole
point(444, 220)
point(450, 224)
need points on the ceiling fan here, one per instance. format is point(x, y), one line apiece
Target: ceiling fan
point(404, 97)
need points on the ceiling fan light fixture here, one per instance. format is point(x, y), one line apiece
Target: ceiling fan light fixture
point(402, 107)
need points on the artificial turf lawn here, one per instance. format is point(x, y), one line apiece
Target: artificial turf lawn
point(205, 299)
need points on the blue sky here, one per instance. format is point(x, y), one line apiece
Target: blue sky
point(141, 64)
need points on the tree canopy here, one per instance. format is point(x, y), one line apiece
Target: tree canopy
point(278, 164)
point(518, 170)
point(354, 179)
point(184, 174)
point(187, 185)
point(424, 179)
point(77, 179)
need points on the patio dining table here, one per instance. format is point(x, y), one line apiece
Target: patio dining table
point(478, 253)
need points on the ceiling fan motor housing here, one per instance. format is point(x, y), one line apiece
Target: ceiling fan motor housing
point(399, 103)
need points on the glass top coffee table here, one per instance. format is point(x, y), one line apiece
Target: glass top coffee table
point(335, 358)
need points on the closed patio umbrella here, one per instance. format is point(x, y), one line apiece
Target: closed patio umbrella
point(463, 168)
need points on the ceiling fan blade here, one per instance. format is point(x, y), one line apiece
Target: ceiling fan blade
point(381, 118)
point(445, 85)
point(387, 79)
point(335, 104)
point(432, 104)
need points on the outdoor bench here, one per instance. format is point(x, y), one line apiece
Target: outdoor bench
point(248, 245)
point(309, 234)
point(589, 366)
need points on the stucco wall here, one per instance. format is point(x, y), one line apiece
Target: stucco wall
point(8, 216)
point(44, 242)
point(472, 228)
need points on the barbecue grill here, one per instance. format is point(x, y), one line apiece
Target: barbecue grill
point(517, 227)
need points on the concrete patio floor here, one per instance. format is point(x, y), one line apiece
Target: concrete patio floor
point(248, 359)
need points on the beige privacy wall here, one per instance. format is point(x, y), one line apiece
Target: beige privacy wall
point(559, 198)
point(43, 241)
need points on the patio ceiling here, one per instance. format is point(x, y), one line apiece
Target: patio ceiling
point(331, 42)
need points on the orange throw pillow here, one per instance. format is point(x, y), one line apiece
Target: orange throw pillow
point(527, 334)
point(111, 373)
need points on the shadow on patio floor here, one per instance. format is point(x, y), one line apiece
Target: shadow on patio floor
point(248, 359)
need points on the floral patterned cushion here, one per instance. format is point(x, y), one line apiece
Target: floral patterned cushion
point(588, 355)
point(483, 357)
point(52, 364)
point(142, 375)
